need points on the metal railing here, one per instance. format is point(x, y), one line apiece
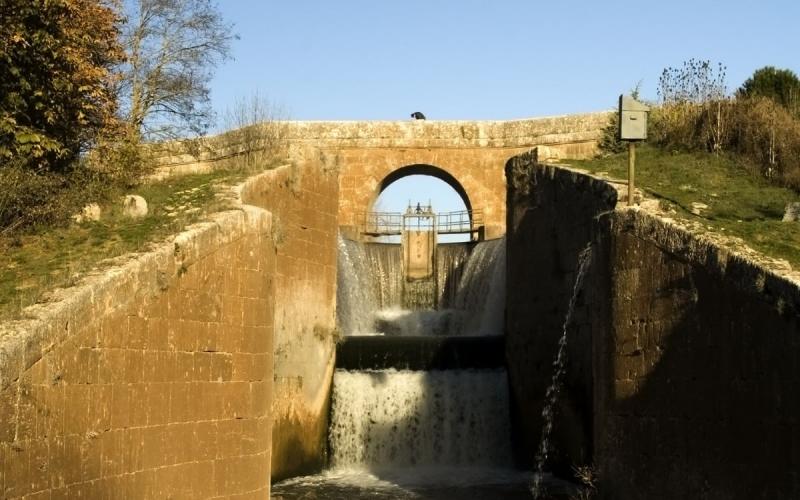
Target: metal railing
point(380, 223)
point(393, 223)
point(465, 221)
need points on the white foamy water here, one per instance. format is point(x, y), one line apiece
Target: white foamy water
point(391, 418)
point(470, 283)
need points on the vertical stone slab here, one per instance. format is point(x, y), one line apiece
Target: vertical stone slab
point(418, 254)
point(303, 198)
point(551, 216)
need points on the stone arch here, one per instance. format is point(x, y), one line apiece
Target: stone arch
point(422, 169)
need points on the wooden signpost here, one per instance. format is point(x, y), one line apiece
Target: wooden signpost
point(632, 128)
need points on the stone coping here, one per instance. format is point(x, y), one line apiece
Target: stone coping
point(132, 278)
point(510, 134)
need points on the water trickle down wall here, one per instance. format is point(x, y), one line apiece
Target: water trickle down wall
point(551, 215)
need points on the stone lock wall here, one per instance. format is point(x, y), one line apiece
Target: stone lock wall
point(551, 218)
point(696, 374)
point(150, 380)
point(303, 199)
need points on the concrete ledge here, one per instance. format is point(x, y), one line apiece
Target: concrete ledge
point(420, 353)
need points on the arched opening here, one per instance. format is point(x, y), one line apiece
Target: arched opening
point(424, 185)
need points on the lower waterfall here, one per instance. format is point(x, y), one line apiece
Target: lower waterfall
point(389, 418)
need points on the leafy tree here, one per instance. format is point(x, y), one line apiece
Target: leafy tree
point(172, 48)
point(780, 85)
point(56, 88)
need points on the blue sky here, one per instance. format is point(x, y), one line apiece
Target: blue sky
point(477, 60)
point(470, 59)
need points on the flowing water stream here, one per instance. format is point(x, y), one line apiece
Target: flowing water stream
point(436, 434)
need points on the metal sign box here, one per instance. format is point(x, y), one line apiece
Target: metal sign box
point(632, 119)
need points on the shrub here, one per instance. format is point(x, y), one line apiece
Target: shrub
point(769, 136)
point(30, 199)
point(780, 85)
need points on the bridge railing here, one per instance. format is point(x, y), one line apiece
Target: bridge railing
point(392, 223)
point(378, 223)
point(465, 221)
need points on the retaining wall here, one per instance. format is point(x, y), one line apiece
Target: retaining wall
point(303, 200)
point(149, 380)
point(696, 370)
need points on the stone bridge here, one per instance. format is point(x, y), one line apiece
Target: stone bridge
point(468, 155)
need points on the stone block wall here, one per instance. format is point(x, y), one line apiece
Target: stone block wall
point(551, 218)
point(303, 199)
point(696, 368)
point(149, 380)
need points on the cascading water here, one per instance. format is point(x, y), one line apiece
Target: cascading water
point(418, 434)
point(450, 261)
point(391, 419)
point(559, 367)
point(470, 291)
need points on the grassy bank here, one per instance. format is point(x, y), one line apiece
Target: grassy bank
point(30, 265)
point(737, 203)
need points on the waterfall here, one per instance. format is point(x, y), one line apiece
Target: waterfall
point(398, 433)
point(482, 289)
point(356, 299)
point(384, 262)
point(450, 261)
point(470, 290)
point(389, 418)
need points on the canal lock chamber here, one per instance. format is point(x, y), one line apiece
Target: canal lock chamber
point(420, 401)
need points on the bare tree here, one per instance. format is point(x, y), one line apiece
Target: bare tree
point(172, 48)
point(255, 128)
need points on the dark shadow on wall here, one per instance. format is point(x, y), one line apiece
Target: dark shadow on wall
point(551, 218)
point(696, 375)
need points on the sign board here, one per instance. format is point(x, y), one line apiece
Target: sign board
point(632, 119)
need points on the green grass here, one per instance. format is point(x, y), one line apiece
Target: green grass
point(739, 203)
point(30, 265)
